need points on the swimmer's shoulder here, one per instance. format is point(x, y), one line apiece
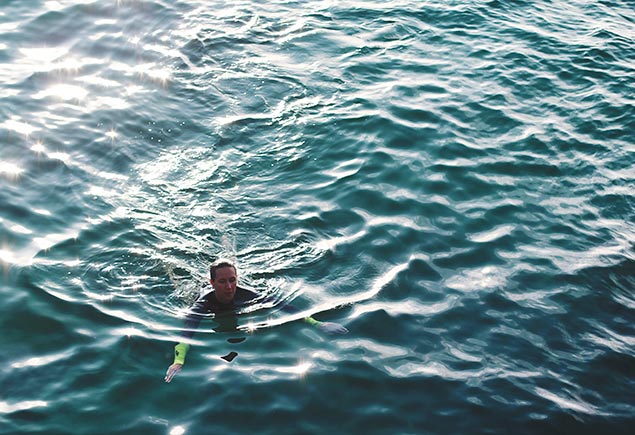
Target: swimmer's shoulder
point(245, 294)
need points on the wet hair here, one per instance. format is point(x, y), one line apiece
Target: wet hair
point(218, 264)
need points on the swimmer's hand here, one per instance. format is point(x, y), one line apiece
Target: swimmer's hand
point(172, 371)
point(332, 328)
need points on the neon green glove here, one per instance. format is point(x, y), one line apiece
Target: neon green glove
point(311, 321)
point(180, 350)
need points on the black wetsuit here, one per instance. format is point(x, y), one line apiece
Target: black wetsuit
point(208, 304)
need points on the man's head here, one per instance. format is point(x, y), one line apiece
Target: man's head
point(223, 278)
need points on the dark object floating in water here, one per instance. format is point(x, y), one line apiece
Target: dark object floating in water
point(236, 340)
point(230, 356)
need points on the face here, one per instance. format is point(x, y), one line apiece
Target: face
point(225, 284)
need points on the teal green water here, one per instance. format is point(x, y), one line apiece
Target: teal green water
point(452, 181)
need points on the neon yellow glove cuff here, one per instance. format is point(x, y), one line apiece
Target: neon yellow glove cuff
point(311, 321)
point(180, 350)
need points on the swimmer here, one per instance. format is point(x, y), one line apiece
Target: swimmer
point(225, 297)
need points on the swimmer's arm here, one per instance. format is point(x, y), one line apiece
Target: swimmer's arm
point(328, 327)
point(180, 350)
point(192, 321)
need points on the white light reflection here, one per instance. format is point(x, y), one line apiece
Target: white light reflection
point(98, 81)
point(96, 191)
point(46, 242)
point(7, 256)
point(105, 22)
point(56, 5)
point(53, 5)
point(177, 430)
point(38, 361)
point(7, 408)
point(70, 64)
point(20, 229)
point(42, 211)
point(301, 369)
point(130, 331)
point(160, 75)
point(10, 169)
point(44, 54)
point(572, 403)
point(38, 147)
point(148, 69)
point(72, 263)
point(64, 157)
point(110, 103)
point(43, 59)
point(112, 134)
point(63, 92)
point(165, 51)
point(18, 126)
point(135, 89)
point(8, 27)
point(485, 278)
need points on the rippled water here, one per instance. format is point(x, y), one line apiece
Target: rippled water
point(452, 181)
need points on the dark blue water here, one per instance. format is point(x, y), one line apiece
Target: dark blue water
point(451, 181)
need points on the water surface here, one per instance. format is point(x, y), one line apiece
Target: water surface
point(451, 181)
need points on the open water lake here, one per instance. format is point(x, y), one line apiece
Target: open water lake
point(452, 181)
